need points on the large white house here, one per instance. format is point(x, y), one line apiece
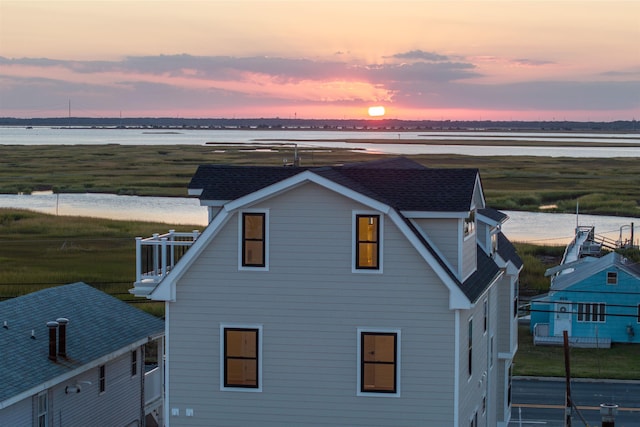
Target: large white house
point(371, 294)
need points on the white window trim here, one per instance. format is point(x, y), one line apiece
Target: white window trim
point(45, 412)
point(354, 240)
point(223, 326)
point(590, 312)
point(359, 360)
point(266, 240)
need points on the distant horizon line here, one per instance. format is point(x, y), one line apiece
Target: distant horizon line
point(380, 120)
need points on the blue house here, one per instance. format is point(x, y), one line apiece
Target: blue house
point(595, 299)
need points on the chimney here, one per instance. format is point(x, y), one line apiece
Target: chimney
point(53, 326)
point(62, 336)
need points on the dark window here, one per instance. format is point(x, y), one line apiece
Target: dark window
point(612, 277)
point(515, 300)
point(103, 381)
point(367, 241)
point(253, 240)
point(638, 313)
point(241, 357)
point(485, 307)
point(134, 363)
point(470, 345)
point(509, 386)
point(378, 362)
point(591, 312)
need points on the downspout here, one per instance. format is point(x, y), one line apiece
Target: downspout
point(456, 370)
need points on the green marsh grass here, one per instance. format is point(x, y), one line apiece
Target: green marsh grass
point(607, 186)
point(39, 250)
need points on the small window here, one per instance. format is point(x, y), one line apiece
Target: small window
point(515, 300)
point(253, 239)
point(241, 358)
point(378, 362)
point(470, 346)
point(470, 224)
point(42, 416)
point(367, 242)
point(612, 277)
point(102, 379)
point(485, 308)
point(491, 351)
point(638, 313)
point(134, 363)
point(509, 386)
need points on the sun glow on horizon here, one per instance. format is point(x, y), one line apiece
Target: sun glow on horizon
point(376, 111)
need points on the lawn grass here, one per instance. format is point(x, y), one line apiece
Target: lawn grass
point(618, 362)
point(606, 186)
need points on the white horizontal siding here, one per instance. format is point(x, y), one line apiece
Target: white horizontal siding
point(310, 305)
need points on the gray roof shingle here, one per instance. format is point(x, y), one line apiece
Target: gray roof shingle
point(401, 183)
point(99, 324)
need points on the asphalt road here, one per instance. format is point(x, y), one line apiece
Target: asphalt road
point(540, 402)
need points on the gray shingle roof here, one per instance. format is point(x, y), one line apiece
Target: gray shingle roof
point(401, 183)
point(493, 214)
point(507, 251)
point(99, 324)
point(486, 272)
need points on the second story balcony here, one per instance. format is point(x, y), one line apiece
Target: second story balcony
point(157, 255)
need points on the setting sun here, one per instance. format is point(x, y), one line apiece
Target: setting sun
point(376, 111)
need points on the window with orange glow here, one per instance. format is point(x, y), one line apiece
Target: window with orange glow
point(253, 240)
point(378, 355)
point(367, 241)
point(241, 357)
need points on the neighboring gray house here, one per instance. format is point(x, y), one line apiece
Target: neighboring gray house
point(74, 356)
point(371, 294)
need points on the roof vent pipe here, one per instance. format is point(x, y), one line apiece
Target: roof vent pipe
point(53, 326)
point(62, 336)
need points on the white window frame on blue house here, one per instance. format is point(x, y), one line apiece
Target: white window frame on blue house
point(586, 314)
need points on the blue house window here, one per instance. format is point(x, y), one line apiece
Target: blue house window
point(612, 277)
point(591, 312)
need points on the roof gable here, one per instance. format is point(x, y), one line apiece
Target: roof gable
point(99, 325)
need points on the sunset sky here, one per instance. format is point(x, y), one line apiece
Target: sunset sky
point(419, 59)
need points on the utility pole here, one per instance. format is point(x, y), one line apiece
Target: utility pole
point(567, 368)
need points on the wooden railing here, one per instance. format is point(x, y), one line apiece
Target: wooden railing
point(157, 255)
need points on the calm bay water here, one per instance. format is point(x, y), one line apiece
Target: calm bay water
point(334, 139)
point(522, 226)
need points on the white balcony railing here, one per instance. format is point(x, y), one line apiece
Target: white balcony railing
point(157, 255)
point(152, 386)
